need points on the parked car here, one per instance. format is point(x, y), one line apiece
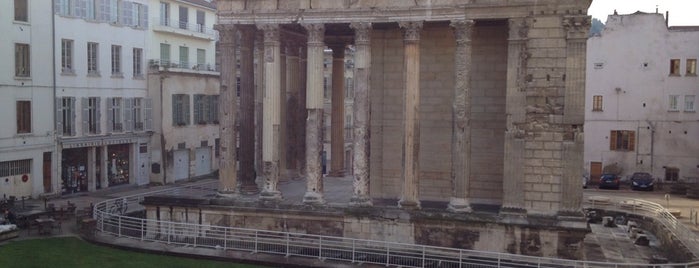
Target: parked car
point(609, 181)
point(642, 181)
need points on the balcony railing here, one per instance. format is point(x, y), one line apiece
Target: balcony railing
point(166, 64)
point(185, 25)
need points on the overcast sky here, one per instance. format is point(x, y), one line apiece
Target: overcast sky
point(682, 12)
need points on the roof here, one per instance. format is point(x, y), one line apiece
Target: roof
point(204, 3)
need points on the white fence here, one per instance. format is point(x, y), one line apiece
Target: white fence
point(110, 219)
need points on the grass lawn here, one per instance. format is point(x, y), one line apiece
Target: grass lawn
point(73, 252)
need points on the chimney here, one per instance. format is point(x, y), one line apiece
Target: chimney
point(667, 18)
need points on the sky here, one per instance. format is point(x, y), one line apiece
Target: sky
point(682, 12)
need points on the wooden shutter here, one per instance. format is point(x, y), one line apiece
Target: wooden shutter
point(72, 116)
point(98, 116)
point(128, 115)
point(59, 116)
point(148, 114)
point(85, 114)
point(612, 140)
point(143, 13)
point(632, 140)
point(110, 116)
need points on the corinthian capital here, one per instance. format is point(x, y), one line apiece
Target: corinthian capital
point(316, 33)
point(361, 32)
point(270, 31)
point(411, 30)
point(226, 32)
point(463, 30)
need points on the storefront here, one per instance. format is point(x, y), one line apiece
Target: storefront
point(74, 170)
point(118, 164)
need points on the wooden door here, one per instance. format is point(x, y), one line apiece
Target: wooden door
point(595, 172)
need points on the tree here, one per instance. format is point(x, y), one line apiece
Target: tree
point(596, 27)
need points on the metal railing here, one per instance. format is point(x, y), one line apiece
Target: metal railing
point(157, 63)
point(111, 219)
point(645, 208)
point(185, 25)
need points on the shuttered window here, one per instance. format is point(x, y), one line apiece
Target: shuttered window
point(622, 140)
point(200, 109)
point(180, 109)
point(24, 116)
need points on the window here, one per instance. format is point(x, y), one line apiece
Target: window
point(140, 15)
point(16, 167)
point(184, 57)
point(92, 56)
point(90, 12)
point(217, 147)
point(691, 67)
point(201, 59)
point(66, 56)
point(164, 14)
point(138, 62)
point(22, 60)
point(91, 112)
point(63, 7)
point(597, 103)
point(138, 114)
point(213, 109)
point(21, 11)
point(673, 103)
point(325, 87)
point(127, 13)
point(180, 109)
point(184, 18)
point(114, 120)
point(80, 8)
point(689, 103)
point(116, 60)
point(66, 116)
point(24, 116)
point(672, 174)
point(201, 19)
point(201, 109)
point(165, 54)
point(674, 67)
point(349, 88)
point(622, 140)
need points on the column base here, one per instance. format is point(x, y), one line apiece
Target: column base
point(409, 204)
point(361, 201)
point(249, 189)
point(226, 194)
point(313, 198)
point(271, 196)
point(459, 205)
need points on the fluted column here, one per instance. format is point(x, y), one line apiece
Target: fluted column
point(271, 112)
point(301, 112)
point(104, 164)
point(337, 116)
point(91, 169)
point(461, 117)
point(283, 97)
point(513, 180)
point(411, 119)
point(292, 97)
point(259, 93)
point(361, 111)
point(247, 112)
point(314, 121)
point(227, 111)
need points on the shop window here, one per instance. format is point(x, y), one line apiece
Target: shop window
point(21, 11)
point(691, 67)
point(674, 67)
point(24, 116)
point(15, 167)
point(22, 60)
point(673, 103)
point(180, 109)
point(672, 174)
point(689, 103)
point(622, 140)
point(597, 103)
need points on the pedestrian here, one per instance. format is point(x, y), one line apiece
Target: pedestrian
point(10, 217)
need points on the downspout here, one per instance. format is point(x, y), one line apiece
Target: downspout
point(163, 156)
point(53, 101)
point(652, 147)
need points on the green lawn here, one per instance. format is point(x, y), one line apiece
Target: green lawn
point(73, 252)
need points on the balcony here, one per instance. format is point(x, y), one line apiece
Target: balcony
point(185, 28)
point(166, 65)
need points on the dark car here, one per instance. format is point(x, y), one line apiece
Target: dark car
point(609, 181)
point(642, 181)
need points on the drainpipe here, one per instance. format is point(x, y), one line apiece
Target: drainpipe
point(652, 147)
point(53, 100)
point(163, 156)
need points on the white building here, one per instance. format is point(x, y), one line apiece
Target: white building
point(184, 84)
point(103, 115)
point(27, 147)
point(641, 93)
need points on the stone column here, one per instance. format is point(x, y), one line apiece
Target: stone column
point(361, 111)
point(301, 112)
point(292, 97)
point(337, 115)
point(247, 112)
point(283, 100)
point(314, 121)
point(461, 117)
point(104, 169)
point(259, 93)
point(513, 178)
point(271, 112)
point(227, 109)
point(411, 119)
point(91, 169)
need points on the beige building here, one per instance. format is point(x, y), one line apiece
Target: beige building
point(458, 102)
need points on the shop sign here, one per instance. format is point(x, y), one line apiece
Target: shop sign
point(97, 143)
point(25, 178)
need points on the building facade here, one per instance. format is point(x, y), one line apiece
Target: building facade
point(642, 85)
point(28, 159)
point(103, 114)
point(183, 82)
point(451, 103)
